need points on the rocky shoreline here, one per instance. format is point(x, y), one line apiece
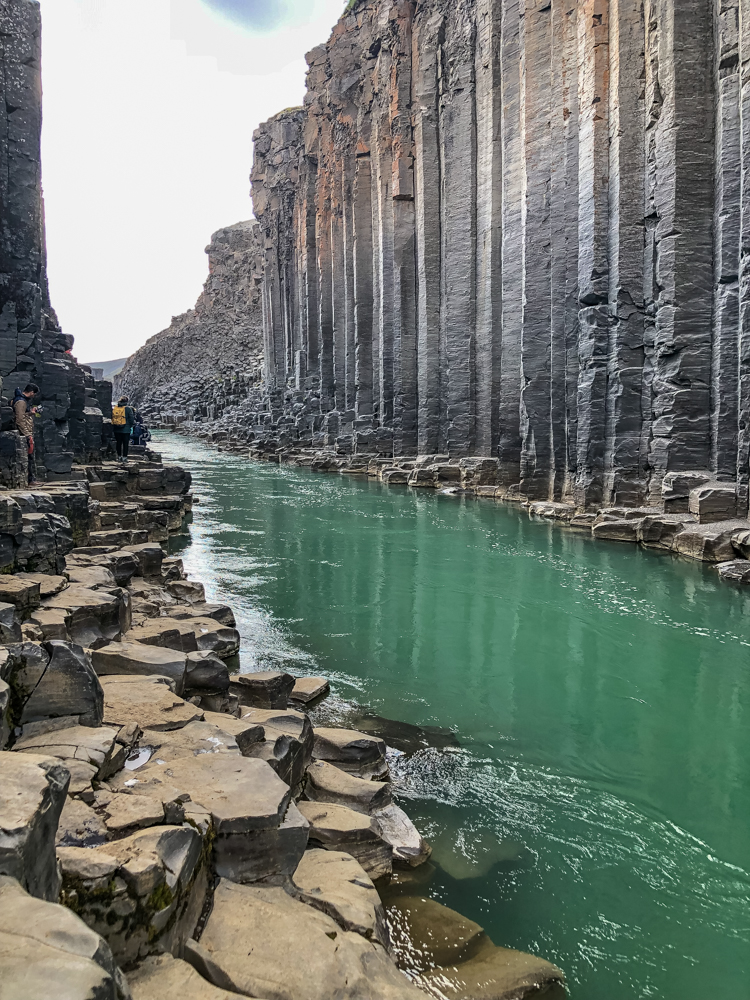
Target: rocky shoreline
point(171, 826)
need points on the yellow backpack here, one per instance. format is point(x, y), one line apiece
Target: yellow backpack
point(118, 416)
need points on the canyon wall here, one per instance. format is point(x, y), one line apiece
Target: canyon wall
point(71, 425)
point(189, 369)
point(520, 229)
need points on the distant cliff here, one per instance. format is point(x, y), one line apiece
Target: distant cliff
point(178, 370)
point(32, 347)
point(518, 229)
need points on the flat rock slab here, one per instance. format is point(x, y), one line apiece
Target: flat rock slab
point(328, 783)
point(336, 884)
point(139, 659)
point(165, 978)
point(357, 753)
point(193, 740)
point(211, 635)
point(80, 826)
point(148, 702)
point(263, 689)
point(46, 950)
point(735, 570)
point(49, 584)
point(245, 732)
point(708, 542)
point(497, 974)
point(96, 746)
point(92, 577)
point(24, 594)
point(425, 933)
point(252, 932)
point(337, 828)
point(32, 795)
point(166, 632)
point(307, 689)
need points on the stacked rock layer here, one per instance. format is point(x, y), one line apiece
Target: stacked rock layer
point(518, 229)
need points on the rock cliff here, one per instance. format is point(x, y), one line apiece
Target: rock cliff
point(184, 370)
point(518, 229)
point(32, 346)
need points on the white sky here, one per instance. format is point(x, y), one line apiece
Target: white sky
point(149, 110)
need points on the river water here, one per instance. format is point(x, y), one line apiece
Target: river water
point(595, 805)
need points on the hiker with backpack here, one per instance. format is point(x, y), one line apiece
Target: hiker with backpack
point(23, 416)
point(123, 421)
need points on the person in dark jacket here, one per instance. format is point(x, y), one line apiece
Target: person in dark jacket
point(139, 429)
point(123, 421)
point(23, 415)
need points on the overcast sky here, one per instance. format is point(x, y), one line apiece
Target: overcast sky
point(149, 110)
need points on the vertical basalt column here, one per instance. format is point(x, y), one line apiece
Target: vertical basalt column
point(459, 232)
point(536, 112)
point(724, 397)
point(347, 204)
point(404, 264)
point(489, 228)
point(309, 265)
point(363, 273)
point(384, 306)
point(338, 285)
point(513, 192)
point(681, 172)
point(325, 297)
point(743, 354)
point(564, 248)
point(625, 464)
point(593, 258)
point(426, 55)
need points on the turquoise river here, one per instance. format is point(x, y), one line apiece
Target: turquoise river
point(594, 805)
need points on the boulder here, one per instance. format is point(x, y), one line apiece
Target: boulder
point(338, 885)
point(245, 732)
point(167, 633)
point(257, 833)
point(32, 796)
point(205, 672)
point(212, 636)
point(619, 530)
point(252, 932)
point(734, 571)
point(49, 584)
point(149, 557)
point(148, 702)
point(162, 977)
point(452, 954)
point(54, 680)
point(676, 487)
point(94, 617)
point(708, 542)
point(357, 753)
point(124, 814)
point(221, 613)
point(337, 828)
point(713, 502)
point(139, 659)
point(5, 727)
point(80, 825)
point(187, 591)
point(46, 950)
point(309, 689)
point(288, 742)
point(92, 577)
point(396, 829)
point(263, 689)
point(657, 531)
point(143, 894)
point(328, 783)
point(52, 624)
point(741, 543)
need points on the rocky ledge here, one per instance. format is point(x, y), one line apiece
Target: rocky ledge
point(172, 826)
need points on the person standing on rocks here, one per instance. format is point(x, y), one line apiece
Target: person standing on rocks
point(23, 415)
point(123, 421)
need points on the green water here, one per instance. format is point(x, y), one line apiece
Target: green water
point(597, 808)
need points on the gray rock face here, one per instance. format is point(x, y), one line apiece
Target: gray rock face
point(32, 796)
point(32, 346)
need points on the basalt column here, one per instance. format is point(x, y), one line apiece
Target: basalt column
point(524, 228)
